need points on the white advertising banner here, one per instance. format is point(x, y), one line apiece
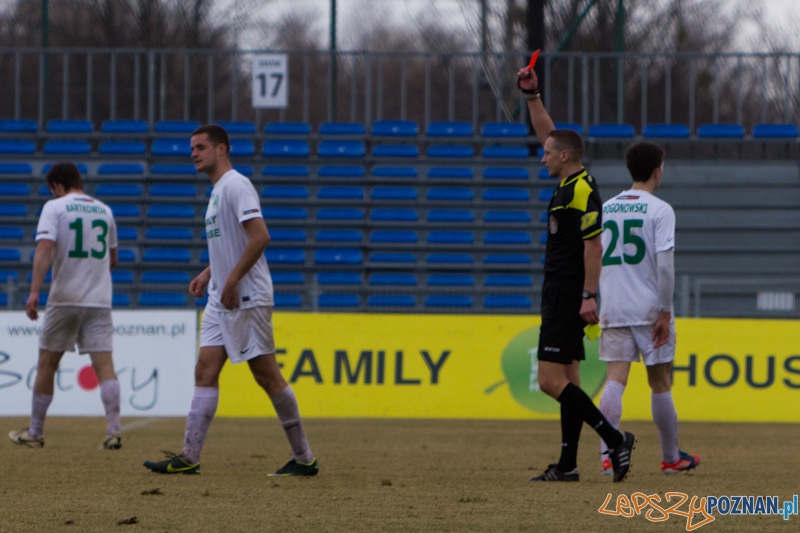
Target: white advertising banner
point(154, 357)
point(270, 81)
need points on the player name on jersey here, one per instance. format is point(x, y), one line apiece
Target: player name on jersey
point(82, 208)
point(625, 208)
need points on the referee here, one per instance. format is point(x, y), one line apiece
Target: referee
point(572, 268)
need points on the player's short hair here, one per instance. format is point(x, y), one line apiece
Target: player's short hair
point(570, 141)
point(642, 158)
point(67, 174)
point(216, 134)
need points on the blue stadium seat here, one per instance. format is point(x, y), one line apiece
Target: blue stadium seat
point(244, 170)
point(506, 195)
point(69, 126)
point(385, 214)
point(238, 127)
point(172, 190)
point(612, 131)
point(341, 128)
point(545, 195)
point(82, 168)
point(162, 299)
point(5, 274)
point(340, 213)
point(454, 259)
point(10, 254)
point(507, 259)
point(666, 131)
point(285, 256)
point(13, 210)
point(506, 173)
point(170, 147)
point(338, 256)
point(507, 237)
point(451, 172)
point(392, 257)
point(338, 300)
point(508, 280)
point(288, 300)
point(544, 174)
point(507, 217)
point(133, 190)
point(242, 148)
point(338, 235)
point(775, 131)
point(125, 210)
point(393, 236)
point(458, 151)
point(20, 125)
point(300, 171)
point(17, 147)
point(450, 237)
point(340, 149)
point(382, 192)
point(66, 147)
point(170, 211)
point(449, 129)
point(505, 152)
point(204, 255)
point(507, 301)
point(106, 169)
point(394, 172)
point(173, 234)
point(391, 300)
point(448, 300)
point(405, 279)
point(543, 238)
point(16, 168)
point(341, 171)
point(339, 278)
point(395, 128)
point(284, 213)
point(284, 191)
point(335, 192)
point(720, 131)
point(569, 126)
point(285, 148)
point(124, 126)
point(44, 191)
point(126, 255)
point(451, 280)
point(176, 126)
point(395, 150)
point(11, 233)
point(452, 194)
point(287, 128)
point(504, 130)
point(287, 278)
point(47, 278)
point(14, 189)
point(287, 235)
point(173, 169)
point(120, 300)
point(450, 215)
point(122, 148)
point(165, 276)
point(166, 255)
point(126, 233)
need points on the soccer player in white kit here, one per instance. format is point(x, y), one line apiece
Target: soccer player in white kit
point(237, 321)
point(77, 235)
point(636, 286)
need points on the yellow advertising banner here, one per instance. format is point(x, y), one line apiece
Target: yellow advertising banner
point(450, 366)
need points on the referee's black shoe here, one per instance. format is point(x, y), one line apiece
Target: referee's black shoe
point(621, 456)
point(553, 473)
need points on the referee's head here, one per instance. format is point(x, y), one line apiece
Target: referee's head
point(642, 159)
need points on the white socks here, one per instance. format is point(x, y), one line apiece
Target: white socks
point(611, 406)
point(666, 420)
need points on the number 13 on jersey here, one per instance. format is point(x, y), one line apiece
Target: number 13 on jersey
point(99, 230)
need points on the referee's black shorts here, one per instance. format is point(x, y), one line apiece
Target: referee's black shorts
point(561, 333)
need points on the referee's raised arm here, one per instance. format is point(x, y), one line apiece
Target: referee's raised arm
point(528, 83)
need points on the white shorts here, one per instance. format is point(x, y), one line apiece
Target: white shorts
point(625, 345)
point(90, 327)
point(245, 333)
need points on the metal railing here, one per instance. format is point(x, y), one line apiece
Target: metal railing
point(584, 88)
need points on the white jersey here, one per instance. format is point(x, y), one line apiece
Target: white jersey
point(84, 231)
point(636, 226)
point(233, 201)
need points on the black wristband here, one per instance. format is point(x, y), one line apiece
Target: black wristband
point(527, 91)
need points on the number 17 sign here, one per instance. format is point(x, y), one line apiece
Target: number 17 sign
point(270, 81)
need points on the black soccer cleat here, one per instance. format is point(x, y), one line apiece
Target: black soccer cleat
point(621, 456)
point(176, 464)
point(553, 473)
point(296, 468)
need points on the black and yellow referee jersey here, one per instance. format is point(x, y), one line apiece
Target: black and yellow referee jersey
point(574, 214)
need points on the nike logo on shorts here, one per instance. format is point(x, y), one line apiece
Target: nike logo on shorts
point(246, 350)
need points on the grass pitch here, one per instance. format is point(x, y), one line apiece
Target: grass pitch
point(375, 475)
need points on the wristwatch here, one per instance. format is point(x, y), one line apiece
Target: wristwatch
point(587, 295)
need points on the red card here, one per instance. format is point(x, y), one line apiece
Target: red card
point(534, 57)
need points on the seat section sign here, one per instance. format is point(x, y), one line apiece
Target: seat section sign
point(154, 357)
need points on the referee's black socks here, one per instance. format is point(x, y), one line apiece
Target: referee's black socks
point(573, 399)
